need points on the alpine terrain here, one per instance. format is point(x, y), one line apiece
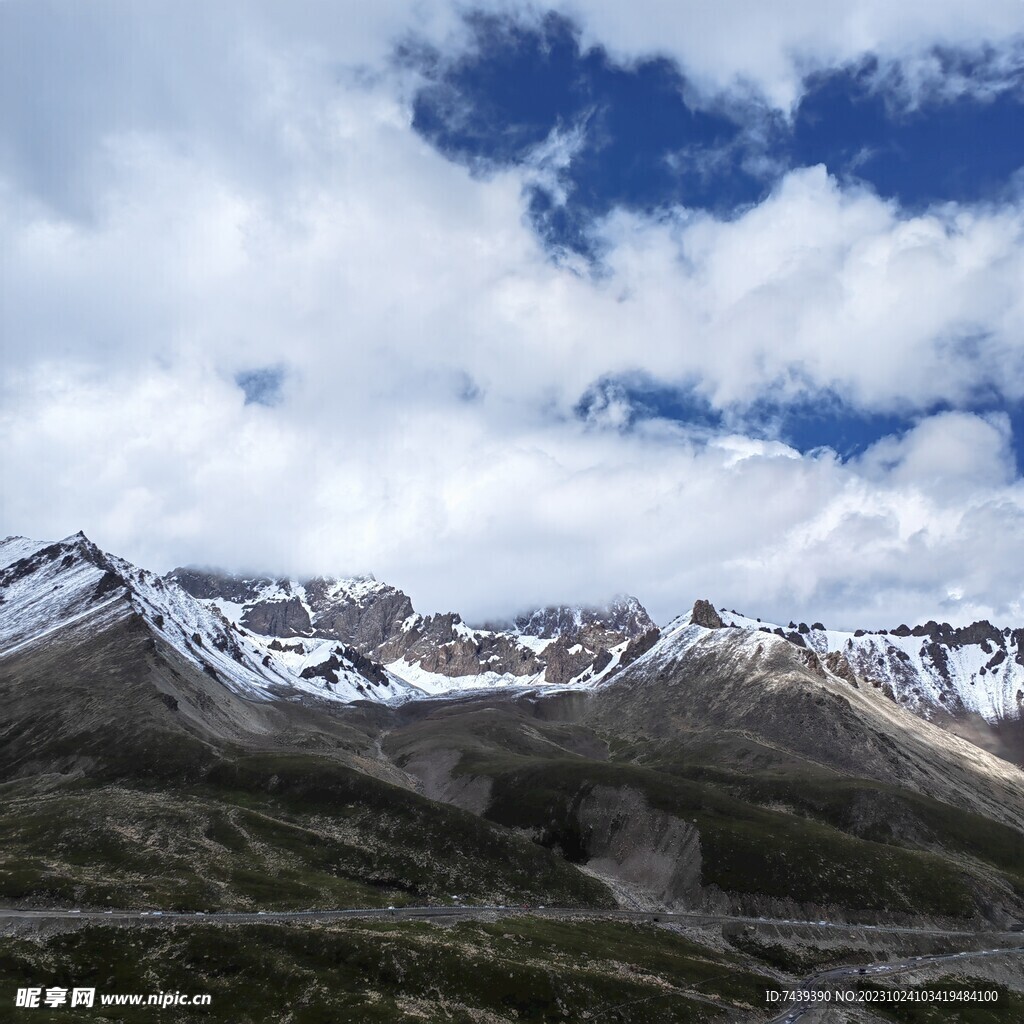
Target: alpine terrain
point(197, 743)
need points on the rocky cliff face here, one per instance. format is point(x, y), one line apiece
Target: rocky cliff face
point(556, 645)
point(621, 617)
point(361, 612)
point(649, 850)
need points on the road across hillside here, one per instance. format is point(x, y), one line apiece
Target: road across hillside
point(830, 981)
point(457, 911)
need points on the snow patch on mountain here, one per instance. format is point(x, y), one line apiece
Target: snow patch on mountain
point(931, 669)
point(46, 586)
point(438, 652)
point(48, 589)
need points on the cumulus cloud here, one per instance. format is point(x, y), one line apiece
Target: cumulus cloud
point(951, 451)
point(263, 205)
point(171, 466)
point(770, 48)
point(823, 287)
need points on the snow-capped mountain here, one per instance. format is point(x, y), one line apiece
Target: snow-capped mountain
point(763, 697)
point(50, 591)
point(969, 680)
point(335, 640)
point(361, 639)
point(436, 653)
point(933, 669)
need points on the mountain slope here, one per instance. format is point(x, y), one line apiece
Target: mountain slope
point(150, 741)
point(970, 680)
point(729, 768)
point(104, 669)
point(763, 686)
point(146, 760)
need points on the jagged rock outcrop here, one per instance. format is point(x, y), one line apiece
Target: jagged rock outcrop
point(279, 618)
point(379, 621)
point(622, 618)
point(567, 659)
point(212, 584)
point(704, 614)
point(361, 612)
point(836, 663)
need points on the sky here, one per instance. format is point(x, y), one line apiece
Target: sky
point(520, 304)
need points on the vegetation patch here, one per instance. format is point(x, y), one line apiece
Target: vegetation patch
point(949, 1007)
point(801, 960)
point(519, 970)
point(746, 849)
point(277, 832)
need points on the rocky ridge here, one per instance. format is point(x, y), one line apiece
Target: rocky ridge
point(56, 592)
point(559, 645)
point(361, 639)
point(744, 682)
point(969, 679)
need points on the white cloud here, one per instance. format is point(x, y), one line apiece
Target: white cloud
point(932, 76)
point(950, 451)
point(170, 466)
point(825, 288)
point(272, 212)
point(770, 47)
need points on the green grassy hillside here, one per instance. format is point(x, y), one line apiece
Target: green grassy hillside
point(771, 824)
point(267, 831)
point(512, 970)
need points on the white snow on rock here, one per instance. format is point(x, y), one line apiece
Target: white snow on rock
point(928, 672)
point(50, 589)
point(70, 587)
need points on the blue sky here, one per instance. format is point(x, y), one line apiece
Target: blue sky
point(514, 304)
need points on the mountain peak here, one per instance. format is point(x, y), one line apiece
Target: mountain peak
point(623, 615)
point(47, 585)
point(704, 614)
